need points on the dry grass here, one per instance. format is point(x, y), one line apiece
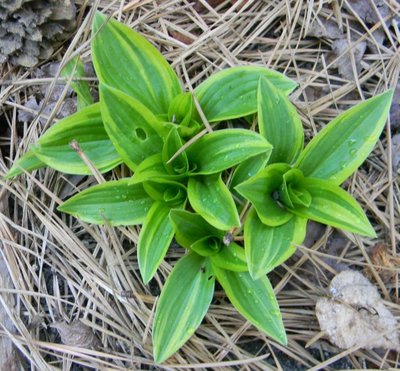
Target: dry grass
point(64, 270)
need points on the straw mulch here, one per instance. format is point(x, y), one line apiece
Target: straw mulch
point(70, 293)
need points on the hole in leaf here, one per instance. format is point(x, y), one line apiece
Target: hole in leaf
point(210, 277)
point(140, 134)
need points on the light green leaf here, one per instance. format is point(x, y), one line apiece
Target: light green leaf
point(76, 69)
point(168, 192)
point(126, 61)
point(343, 145)
point(183, 303)
point(225, 148)
point(260, 191)
point(210, 197)
point(133, 129)
point(181, 109)
point(232, 93)
point(231, 258)
point(279, 123)
point(86, 128)
point(333, 206)
point(190, 227)
point(172, 144)
point(248, 168)
point(27, 162)
point(207, 246)
point(267, 247)
point(152, 168)
point(115, 202)
point(154, 239)
point(255, 300)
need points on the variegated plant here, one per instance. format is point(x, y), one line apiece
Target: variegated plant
point(190, 179)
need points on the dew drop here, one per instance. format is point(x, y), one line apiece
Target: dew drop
point(351, 142)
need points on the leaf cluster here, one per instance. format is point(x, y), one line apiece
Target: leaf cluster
point(237, 200)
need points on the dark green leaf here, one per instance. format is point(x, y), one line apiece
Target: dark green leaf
point(115, 202)
point(225, 148)
point(154, 239)
point(190, 227)
point(333, 206)
point(86, 128)
point(126, 61)
point(343, 145)
point(255, 300)
point(267, 247)
point(183, 303)
point(232, 93)
point(279, 123)
point(209, 196)
point(135, 132)
point(260, 190)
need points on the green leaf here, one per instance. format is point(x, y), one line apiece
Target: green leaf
point(126, 61)
point(260, 191)
point(154, 239)
point(172, 144)
point(133, 129)
point(183, 303)
point(333, 206)
point(27, 162)
point(207, 246)
point(343, 145)
point(232, 93)
point(86, 128)
point(168, 192)
point(248, 168)
point(267, 247)
point(181, 109)
point(190, 227)
point(279, 123)
point(255, 300)
point(210, 197)
point(231, 258)
point(115, 202)
point(152, 168)
point(76, 69)
point(225, 148)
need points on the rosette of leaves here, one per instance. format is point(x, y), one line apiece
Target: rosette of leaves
point(301, 184)
point(142, 119)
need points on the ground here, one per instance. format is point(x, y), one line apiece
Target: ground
point(71, 293)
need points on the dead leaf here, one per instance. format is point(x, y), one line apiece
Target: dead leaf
point(381, 257)
point(366, 11)
point(354, 314)
point(342, 49)
point(396, 153)
point(395, 109)
point(77, 334)
point(325, 28)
